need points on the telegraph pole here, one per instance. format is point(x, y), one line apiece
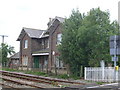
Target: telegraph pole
point(3, 36)
point(115, 49)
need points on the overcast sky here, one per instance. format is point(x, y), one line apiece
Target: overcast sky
point(16, 14)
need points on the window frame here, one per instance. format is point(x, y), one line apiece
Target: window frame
point(25, 61)
point(42, 43)
point(48, 44)
point(25, 44)
point(59, 38)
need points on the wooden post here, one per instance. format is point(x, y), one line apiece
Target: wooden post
point(81, 71)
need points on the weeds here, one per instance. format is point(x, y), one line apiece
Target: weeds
point(60, 76)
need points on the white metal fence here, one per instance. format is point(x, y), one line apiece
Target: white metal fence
point(103, 74)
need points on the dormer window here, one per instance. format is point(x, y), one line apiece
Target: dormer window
point(26, 44)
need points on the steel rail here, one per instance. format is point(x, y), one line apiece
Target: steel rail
point(44, 78)
point(21, 83)
point(27, 78)
point(8, 86)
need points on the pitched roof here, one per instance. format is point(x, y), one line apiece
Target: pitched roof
point(60, 19)
point(16, 55)
point(32, 33)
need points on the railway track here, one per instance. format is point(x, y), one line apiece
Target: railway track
point(54, 83)
point(5, 85)
point(20, 83)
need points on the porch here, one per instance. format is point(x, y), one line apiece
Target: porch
point(40, 61)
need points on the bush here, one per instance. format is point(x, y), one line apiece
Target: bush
point(63, 76)
point(74, 77)
point(36, 73)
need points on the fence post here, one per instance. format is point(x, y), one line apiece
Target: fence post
point(85, 73)
point(102, 73)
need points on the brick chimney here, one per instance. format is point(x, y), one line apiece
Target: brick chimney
point(50, 20)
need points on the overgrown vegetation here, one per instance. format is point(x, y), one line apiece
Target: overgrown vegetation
point(5, 50)
point(85, 39)
point(26, 72)
point(61, 76)
point(36, 73)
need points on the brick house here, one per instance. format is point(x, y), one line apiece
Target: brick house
point(38, 48)
point(34, 50)
point(14, 61)
point(55, 32)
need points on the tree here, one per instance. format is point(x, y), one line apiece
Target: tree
point(97, 31)
point(69, 48)
point(5, 51)
point(85, 39)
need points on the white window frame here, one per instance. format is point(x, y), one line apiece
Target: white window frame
point(26, 44)
point(59, 38)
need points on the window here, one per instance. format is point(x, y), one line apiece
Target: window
point(48, 44)
point(15, 61)
point(45, 62)
point(26, 44)
point(59, 38)
point(42, 41)
point(25, 60)
point(59, 63)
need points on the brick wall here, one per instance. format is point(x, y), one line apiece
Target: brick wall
point(37, 44)
point(53, 31)
point(25, 51)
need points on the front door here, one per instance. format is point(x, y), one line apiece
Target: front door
point(36, 62)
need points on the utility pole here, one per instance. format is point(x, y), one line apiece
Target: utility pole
point(115, 49)
point(3, 36)
point(115, 58)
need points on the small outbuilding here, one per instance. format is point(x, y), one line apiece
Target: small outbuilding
point(14, 61)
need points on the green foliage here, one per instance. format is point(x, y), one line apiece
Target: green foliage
point(63, 76)
point(100, 83)
point(74, 77)
point(69, 47)
point(27, 72)
point(119, 61)
point(36, 73)
point(9, 69)
point(5, 49)
point(85, 39)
